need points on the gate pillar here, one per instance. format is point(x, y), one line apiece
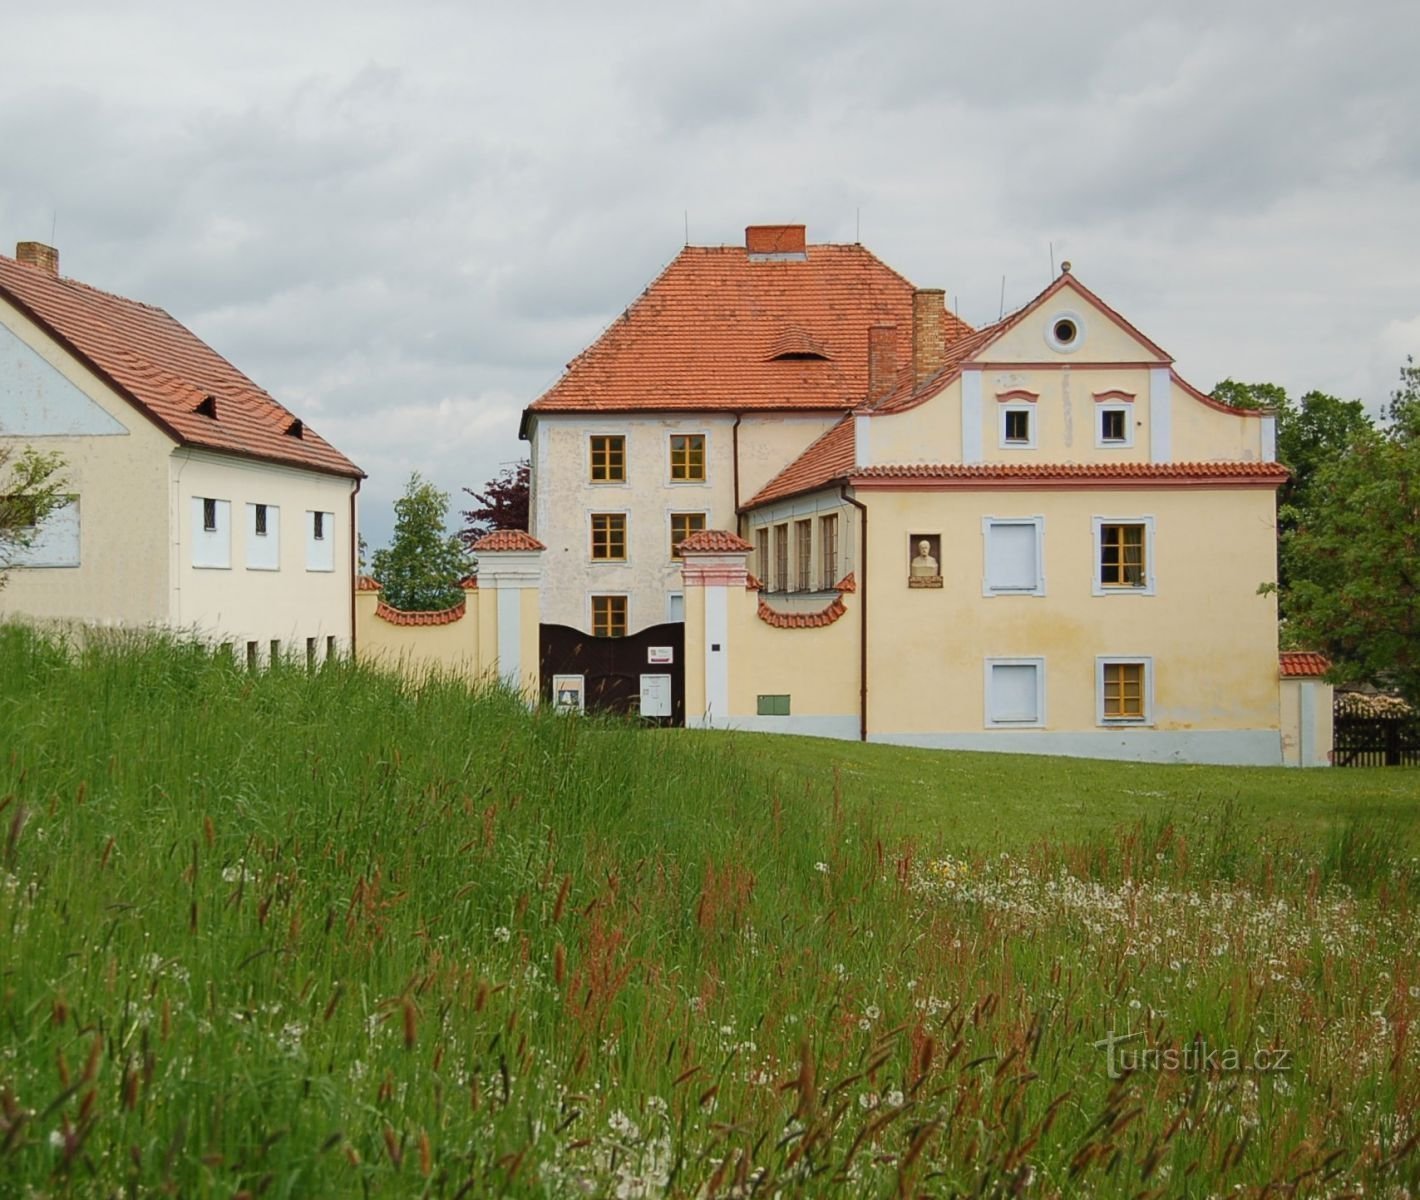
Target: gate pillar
point(510, 610)
point(712, 564)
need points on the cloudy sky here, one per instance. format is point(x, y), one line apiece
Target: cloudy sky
point(403, 220)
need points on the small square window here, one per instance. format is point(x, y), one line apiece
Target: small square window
point(772, 706)
point(1114, 425)
point(1018, 425)
point(608, 458)
point(609, 537)
point(209, 515)
point(688, 457)
point(682, 526)
point(1125, 691)
point(608, 616)
point(1122, 556)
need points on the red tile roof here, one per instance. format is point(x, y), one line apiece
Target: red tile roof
point(1103, 474)
point(705, 335)
point(828, 458)
point(397, 616)
point(813, 620)
point(507, 539)
point(1303, 664)
point(166, 371)
point(714, 541)
point(366, 583)
point(829, 461)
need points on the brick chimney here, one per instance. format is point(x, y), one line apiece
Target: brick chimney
point(882, 360)
point(775, 239)
point(929, 340)
point(37, 254)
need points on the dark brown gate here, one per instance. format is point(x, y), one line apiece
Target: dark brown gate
point(1363, 737)
point(611, 668)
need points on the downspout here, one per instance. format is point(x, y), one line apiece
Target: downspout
point(862, 613)
point(354, 565)
point(735, 445)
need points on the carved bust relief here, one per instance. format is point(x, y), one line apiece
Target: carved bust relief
point(924, 566)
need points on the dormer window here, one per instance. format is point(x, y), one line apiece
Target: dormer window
point(207, 407)
point(797, 345)
point(296, 429)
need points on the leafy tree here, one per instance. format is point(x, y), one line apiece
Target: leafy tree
point(1310, 433)
point(1403, 411)
point(420, 569)
point(31, 488)
point(1357, 593)
point(503, 503)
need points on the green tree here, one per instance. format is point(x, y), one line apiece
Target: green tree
point(1355, 553)
point(1310, 433)
point(31, 487)
point(420, 570)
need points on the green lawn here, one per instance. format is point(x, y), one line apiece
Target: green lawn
point(288, 934)
point(961, 800)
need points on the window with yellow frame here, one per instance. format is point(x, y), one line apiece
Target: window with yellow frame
point(608, 616)
point(609, 537)
point(1124, 690)
point(682, 526)
point(608, 458)
point(687, 458)
point(1123, 555)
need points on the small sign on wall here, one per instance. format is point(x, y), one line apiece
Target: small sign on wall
point(660, 655)
point(655, 695)
point(569, 693)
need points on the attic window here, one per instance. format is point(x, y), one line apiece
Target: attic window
point(797, 345)
point(1065, 332)
point(295, 429)
point(207, 407)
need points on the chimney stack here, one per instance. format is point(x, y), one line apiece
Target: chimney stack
point(882, 360)
point(929, 340)
point(37, 254)
point(775, 240)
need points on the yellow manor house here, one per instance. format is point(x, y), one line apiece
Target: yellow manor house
point(1033, 537)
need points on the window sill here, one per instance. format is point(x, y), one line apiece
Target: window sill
point(211, 566)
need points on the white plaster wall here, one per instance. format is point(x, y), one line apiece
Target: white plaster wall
point(240, 603)
point(116, 463)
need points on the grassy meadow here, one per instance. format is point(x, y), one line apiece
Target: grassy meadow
point(329, 934)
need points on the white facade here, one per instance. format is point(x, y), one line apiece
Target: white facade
point(564, 499)
point(157, 534)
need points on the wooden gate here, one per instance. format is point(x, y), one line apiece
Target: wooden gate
point(1366, 738)
point(615, 673)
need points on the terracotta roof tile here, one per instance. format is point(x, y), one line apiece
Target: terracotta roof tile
point(1041, 474)
point(829, 457)
point(849, 583)
point(366, 583)
point(166, 371)
point(396, 616)
point(753, 583)
point(507, 539)
point(813, 620)
point(714, 541)
point(1303, 664)
point(705, 333)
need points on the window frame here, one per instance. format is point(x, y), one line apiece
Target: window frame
point(592, 440)
point(1029, 411)
point(592, 555)
point(670, 528)
point(781, 557)
point(762, 553)
point(828, 551)
point(211, 548)
point(986, 526)
point(263, 547)
point(687, 480)
point(625, 602)
point(1146, 689)
point(1036, 722)
point(803, 552)
point(1127, 412)
point(1097, 585)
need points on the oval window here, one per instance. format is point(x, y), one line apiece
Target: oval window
point(1065, 332)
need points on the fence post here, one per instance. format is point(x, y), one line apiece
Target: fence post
point(712, 564)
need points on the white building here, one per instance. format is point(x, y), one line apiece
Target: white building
point(728, 366)
point(197, 501)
